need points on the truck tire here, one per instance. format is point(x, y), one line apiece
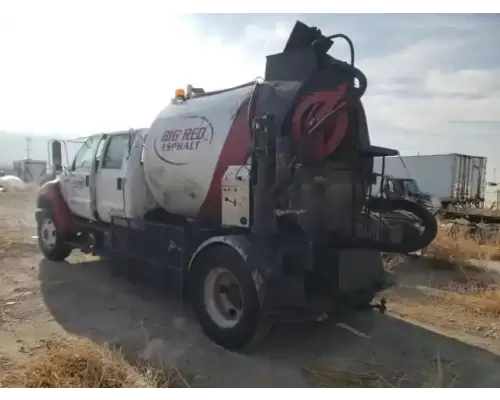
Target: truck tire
point(225, 300)
point(50, 242)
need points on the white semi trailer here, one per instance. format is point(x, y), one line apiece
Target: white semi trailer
point(455, 179)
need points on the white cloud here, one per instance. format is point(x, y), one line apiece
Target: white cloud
point(409, 62)
point(104, 66)
point(431, 115)
point(466, 81)
point(269, 40)
point(410, 90)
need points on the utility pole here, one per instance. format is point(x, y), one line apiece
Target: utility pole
point(28, 148)
point(25, 172)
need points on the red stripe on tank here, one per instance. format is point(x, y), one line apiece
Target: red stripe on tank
point(234, 152)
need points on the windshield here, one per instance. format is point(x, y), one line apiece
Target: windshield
point(411, 186)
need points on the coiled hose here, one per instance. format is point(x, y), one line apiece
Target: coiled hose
point(410, 242)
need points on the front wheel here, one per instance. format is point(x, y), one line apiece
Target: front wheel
point(225, 300)
point(50, 242)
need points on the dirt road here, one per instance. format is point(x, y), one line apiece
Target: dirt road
point(41, 299)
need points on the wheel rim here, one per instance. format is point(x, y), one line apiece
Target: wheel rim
point(48, 233)
point(223, 298)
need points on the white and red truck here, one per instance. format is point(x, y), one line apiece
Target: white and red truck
point(255, 198)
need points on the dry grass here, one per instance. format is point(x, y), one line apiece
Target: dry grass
point(461, 293)
point(12, 244)
point(475, 295)
point(392, 261)
point(375, 375)
point(14, 241)
point(457, 249)
point(463, 313)
point(84, 364)
point(452, 249)
point(487, 303)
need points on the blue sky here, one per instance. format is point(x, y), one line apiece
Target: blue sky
point(434, 80)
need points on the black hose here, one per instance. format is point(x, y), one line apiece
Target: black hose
point(351, 97)
point(349, 42)
point(363, 82)
point(411, 243)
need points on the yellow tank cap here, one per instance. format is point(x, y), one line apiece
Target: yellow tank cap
point(180, 93)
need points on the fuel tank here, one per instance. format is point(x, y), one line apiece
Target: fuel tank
point(189, 147)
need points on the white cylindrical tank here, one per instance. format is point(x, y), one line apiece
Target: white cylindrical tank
point(189, 147)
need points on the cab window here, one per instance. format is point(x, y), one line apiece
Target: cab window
point(117, 147)
point(85, 155)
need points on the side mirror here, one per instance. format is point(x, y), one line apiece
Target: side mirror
point(57, 156)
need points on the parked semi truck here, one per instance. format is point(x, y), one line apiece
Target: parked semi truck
point(395, 187)
point(255, 198)
point(455, 179)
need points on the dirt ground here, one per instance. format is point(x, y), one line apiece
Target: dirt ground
point(428, 333)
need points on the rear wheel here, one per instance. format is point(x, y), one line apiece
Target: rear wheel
point(225, 300)
point(50, 241)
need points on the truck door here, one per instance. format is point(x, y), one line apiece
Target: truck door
point(77, 183)
point(110, 177)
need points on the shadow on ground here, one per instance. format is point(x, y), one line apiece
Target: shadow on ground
point(85, 299)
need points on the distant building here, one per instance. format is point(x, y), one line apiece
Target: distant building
point(492, 196)
point(30, 171)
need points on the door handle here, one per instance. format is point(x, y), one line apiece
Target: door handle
point(87, 180)
point(119, 183)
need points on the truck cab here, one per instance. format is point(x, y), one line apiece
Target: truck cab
point(104, 180)
point(93, 184)
point(98, 183)
point(404, 188)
